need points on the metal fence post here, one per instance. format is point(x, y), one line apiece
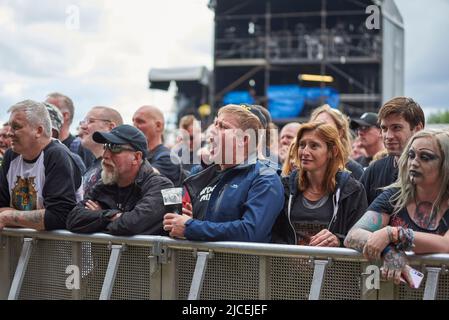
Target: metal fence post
point(77, 261)
point(430, 292)
point(319, 272)
point(264, 279)
point(21, 269)
point(111, 272)
point(5, 277)
point(198, 275)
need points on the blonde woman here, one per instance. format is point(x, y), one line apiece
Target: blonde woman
point(322, 200)
point(337, 119)
point(412, 214)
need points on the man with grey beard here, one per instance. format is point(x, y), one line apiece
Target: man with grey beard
point(128, 199)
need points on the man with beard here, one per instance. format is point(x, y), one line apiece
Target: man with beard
point(99, 118)
point(127, 200)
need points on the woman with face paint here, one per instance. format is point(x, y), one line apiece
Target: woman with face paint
point(412, 214)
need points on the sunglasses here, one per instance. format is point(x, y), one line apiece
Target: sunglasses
point(117, 148)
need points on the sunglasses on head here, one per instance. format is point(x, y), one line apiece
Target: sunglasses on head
point(117, 148)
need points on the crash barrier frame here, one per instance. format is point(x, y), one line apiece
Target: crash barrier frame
point(33, 266)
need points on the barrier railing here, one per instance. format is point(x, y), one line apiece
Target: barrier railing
point(65, 265)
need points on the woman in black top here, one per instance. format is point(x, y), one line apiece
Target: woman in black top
point(322, 200)
point(412, 214)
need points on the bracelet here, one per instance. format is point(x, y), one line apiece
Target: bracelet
point(395, 235)
point(406, 238)
point(386, 250)
point(390, 235)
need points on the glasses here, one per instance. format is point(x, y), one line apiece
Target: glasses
point(117, 148)
point(363, 128)
point(92, 120)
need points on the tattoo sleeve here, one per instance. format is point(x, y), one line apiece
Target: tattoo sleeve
point(27, 219)
point(358, 235)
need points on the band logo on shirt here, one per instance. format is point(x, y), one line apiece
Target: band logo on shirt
point(24, 194)
point(206, 192)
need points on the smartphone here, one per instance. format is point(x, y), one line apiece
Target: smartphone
point(416, 278)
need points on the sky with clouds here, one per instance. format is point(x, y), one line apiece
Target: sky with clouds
point(99, 52)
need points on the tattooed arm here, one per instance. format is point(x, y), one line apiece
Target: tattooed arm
point(372, 223)
point(26, 219)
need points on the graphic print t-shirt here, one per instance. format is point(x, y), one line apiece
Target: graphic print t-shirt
point(202, 200)
point(50, 181)
point(26, 180)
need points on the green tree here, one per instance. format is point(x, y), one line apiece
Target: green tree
point(439, 117)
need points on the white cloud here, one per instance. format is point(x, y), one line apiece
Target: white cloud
point(106, 61)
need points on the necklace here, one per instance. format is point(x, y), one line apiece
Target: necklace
point(314, 192)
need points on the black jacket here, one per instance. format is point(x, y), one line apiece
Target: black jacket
point(349, 205)
point(143, 210)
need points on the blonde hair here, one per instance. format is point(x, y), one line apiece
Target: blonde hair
point(291, 162)
point(336, 161)
point(186, 121)
point(245, 118)
point(342, 123)
point(407, 191)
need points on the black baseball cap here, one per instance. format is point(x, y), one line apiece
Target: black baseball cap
point(123, 134)
point(368, 119)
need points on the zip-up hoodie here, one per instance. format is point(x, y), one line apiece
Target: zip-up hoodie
point(349, 203)
point(243, 206)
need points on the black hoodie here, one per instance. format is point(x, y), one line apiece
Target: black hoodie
point(349, 206)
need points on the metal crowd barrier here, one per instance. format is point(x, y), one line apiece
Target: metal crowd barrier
point(43, 265)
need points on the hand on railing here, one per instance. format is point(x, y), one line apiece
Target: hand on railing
point(324, 238)
point(395, 265)
point(376, 243)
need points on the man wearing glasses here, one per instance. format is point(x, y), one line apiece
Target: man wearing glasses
point(128, 198)
point(370, 136)
point(97, 119)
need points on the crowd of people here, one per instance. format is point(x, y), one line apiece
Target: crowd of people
point(378, 183)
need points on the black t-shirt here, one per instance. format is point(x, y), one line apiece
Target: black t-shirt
point(310, 217)
point(92, 176)
point(382, 204)
point(364, 161)
point(202, 200)
point(379, 174)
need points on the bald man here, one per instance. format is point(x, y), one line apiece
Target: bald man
point(288, 133)
point(102, 119)
point(150, 121)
